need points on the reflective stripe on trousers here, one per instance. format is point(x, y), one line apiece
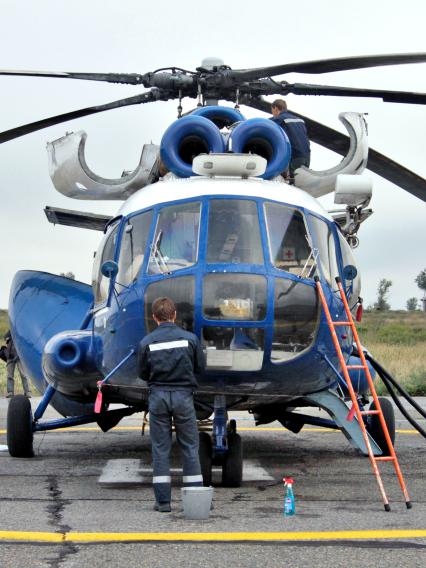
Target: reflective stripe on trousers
point(163, 406)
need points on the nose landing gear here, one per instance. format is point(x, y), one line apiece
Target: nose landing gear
point(226, 449)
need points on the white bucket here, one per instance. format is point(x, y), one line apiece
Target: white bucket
point(196, 502)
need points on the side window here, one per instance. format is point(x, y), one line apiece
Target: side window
point(105, 252)
point(175, 244)
point(325, 245)
point(353, 286)
point(132, 248)
point(289, 243)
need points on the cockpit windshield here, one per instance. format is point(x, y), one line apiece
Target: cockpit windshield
point(175, 243)
point(234, 234)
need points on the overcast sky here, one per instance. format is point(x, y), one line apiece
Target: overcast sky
point(134, 36)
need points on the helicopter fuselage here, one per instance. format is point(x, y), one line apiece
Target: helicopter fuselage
point(238, 257)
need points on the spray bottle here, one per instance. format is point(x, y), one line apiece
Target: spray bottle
point(289, 504)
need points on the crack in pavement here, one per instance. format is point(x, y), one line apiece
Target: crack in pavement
point(55, 519)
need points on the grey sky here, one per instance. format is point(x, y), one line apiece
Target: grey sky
point(132, 36)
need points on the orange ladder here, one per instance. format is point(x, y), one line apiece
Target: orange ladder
point(355, 406)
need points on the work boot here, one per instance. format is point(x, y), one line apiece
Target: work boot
point(9, 395)
point(162, 507)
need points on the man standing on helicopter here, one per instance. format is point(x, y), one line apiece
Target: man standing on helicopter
point(295, 129)
point(169, 357)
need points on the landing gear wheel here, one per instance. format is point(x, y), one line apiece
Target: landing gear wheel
point(20, 427)
point(205, 454)
point(374, 427)
point(232, 469)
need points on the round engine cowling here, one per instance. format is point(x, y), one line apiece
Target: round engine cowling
point(265, 138)
point(185, 139)
point(220, 116)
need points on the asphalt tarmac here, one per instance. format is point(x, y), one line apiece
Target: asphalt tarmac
point(55, 512)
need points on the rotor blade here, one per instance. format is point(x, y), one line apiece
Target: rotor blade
point(339, 143)
point(386, 96)
point(126, 78)
point(148, 97)
point(330, 65)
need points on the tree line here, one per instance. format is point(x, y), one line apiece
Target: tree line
point(412, 304)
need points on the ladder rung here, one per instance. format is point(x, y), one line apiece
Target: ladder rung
point(355, 366)
point(384, 459)
point(370, 411)
point(341, 323)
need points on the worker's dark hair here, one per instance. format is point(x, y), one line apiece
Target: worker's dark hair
point(163, 309)
point(280, 104)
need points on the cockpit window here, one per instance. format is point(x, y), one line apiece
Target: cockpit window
point(175, 244)
point(234, 234)
point(105, 252)
point(326, 250)
point(289, 242)
point(132, 248)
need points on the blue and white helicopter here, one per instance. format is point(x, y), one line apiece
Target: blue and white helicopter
point(209, 220)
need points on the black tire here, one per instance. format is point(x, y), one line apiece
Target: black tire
point(232, 469)
point(232, 426)
point(205, 454)
point(374, 427)
point(20, 427)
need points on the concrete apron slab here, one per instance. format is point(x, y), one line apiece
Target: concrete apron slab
point(134, 472)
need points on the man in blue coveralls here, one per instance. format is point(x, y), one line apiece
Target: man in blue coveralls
point(169, 357)
point(295, 129)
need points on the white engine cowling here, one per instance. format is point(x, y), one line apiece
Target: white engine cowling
point(318, 183)
point(72, 177)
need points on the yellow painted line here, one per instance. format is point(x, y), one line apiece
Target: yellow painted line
point(32, 536)
point(242, 429)
point(214, 536)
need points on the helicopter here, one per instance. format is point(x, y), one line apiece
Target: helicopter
point(209, 220)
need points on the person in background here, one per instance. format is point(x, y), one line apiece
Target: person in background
point(295, 129)
point(169, 358)
point(10, 357)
